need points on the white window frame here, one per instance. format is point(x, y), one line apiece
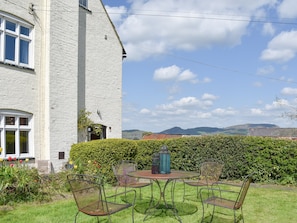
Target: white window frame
point(83, 3)
point(17, 128)
point(18, 37)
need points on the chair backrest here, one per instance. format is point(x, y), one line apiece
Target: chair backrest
point(87, 191)
point(243, 191)
point(121, 171)
point(211, 171)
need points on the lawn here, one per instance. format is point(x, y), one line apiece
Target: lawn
point(263, 204)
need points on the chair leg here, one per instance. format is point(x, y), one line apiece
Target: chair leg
point(197, 191)
point(132, 214)
point(213, 210)
point(116, 190)
point(234, 216)
point(152, 194)
point(184, 191)
point(76, 217)
point(203, 210)
point(242, 214)
point(140, 194)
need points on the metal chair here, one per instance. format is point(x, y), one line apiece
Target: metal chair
point(123, 180)
point(230, 199)
point(210, 172)
point(88, 192)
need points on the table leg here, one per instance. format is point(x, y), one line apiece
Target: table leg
point(152, 208)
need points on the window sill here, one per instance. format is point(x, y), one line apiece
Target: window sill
point(17, 66)
point(85, 8)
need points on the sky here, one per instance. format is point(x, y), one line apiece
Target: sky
point(198, 63)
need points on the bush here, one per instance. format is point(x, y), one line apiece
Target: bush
point(274, 160)
point(18, 182)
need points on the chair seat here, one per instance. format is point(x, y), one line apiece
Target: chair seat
point(222, 202)
point(93, 210)
point(138, 184)
point(196, 183)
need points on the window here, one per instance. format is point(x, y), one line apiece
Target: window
point(16, 45)
point(83, 3)
point(16, 134)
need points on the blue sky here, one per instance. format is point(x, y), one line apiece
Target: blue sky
point(218, 63)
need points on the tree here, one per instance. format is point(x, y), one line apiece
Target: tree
point(292, 114)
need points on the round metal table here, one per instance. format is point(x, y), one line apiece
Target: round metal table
point(171, 177)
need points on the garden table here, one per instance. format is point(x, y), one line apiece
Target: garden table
point(171, 177)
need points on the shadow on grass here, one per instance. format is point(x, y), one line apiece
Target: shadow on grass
point(182, 208)
point(220, 217)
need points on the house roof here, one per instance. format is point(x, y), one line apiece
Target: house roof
point(161, 136)
point(124, 51)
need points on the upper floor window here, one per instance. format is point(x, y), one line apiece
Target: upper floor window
point(83, 3)
point(16, 45)
point(16, 136)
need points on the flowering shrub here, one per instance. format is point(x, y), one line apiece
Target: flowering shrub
point(91, 167)
point(18, 182)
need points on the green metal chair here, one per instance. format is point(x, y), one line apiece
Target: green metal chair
point(229, 199)
point(210, 172)
point(88, 192)
point(123, 180)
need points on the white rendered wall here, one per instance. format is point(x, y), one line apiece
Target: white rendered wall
point(71, 72)
point(103, 70)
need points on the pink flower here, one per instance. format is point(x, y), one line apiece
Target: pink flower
point(9, 158)
point(21, 161)
point(11, 165)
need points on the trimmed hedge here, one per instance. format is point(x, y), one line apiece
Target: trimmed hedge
point(275, 160)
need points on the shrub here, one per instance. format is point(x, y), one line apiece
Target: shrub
point(18, 182)
point(274, 160)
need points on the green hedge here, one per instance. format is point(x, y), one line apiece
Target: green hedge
point(275, 160)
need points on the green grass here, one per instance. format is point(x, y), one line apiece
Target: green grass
point(263, 204)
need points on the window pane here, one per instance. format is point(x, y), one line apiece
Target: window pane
point(24, 31)
point(10, 142)
point(24, 121)
point(9, 120)
point(24, 51)
point(10, 26)
point(24, 142)
point(83, 3)
point(9, 47)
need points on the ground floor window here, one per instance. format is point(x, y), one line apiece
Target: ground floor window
point(16, 138)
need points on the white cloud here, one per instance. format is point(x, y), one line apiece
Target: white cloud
point(167, 73)
point(207, 96)
point(186, 75)
point(256, 111)
point(174, 73)
point(203, 115)
point(223, 111)
point(268, 29)
point(154, 27)
point(145, 111)
point(116, 13)
point(276, 105)
point(289, 91)
point(287, 9)
point(281, 48)
point(185, 105)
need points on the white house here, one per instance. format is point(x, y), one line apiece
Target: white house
point(56, 58)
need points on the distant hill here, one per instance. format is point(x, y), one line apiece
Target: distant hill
point(232, 130)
